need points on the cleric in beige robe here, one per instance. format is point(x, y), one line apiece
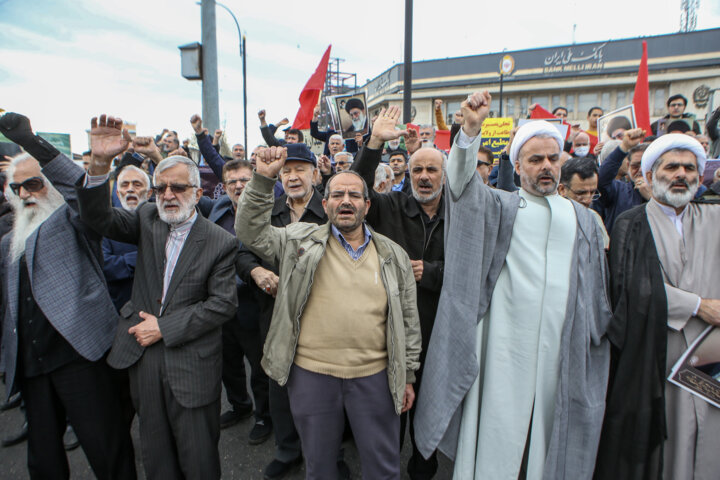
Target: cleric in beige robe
point(664, 298)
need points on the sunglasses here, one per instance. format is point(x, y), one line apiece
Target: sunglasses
point(176, 188)
point(32, 184)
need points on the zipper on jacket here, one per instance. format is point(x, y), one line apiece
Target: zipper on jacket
point(297, 319)
point(390, 323)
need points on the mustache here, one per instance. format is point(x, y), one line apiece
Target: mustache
point(547, 173)
point(346, 206)
point(425, 183)
point(679, 182)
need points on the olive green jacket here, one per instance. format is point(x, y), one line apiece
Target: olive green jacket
point(297, 250)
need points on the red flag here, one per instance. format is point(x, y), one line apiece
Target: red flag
point(642, 93)
point(311, 93)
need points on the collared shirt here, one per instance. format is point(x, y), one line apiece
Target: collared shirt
point(173, 247)
point(674, 217)
point(294, 217)
point(354, 254)
point(397, 187)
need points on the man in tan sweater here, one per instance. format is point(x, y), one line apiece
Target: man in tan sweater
point(354, 351)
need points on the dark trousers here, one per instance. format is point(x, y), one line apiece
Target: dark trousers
point(85, 394)
point(177, 442)
point(418, 467)
point(318, 402)
point(287, 440)
point(237, 344)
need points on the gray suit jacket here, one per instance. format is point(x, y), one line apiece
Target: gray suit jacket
point(200, 297)
point(64, 263)
point(477, 239)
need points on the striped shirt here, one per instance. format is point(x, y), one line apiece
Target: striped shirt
point(173, 247)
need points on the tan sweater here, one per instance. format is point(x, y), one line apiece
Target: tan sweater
point(343, 326)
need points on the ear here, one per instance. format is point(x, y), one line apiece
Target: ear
point(648, 177)
point(561, 189)
point(517, 166)
point(198, 194)
point(324, 205)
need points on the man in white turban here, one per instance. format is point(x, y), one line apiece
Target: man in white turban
point(516, 370)
point(666, 291)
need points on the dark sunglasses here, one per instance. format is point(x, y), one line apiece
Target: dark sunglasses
point(32, 184)
point(176, 188)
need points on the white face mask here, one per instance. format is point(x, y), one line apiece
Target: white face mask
point(582, 151)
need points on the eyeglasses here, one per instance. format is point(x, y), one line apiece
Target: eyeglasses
point(176, 188)
point(584, 193)
point(32, 184)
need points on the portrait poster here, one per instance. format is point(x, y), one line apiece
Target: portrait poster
point(496, 134)
point(558, 123)
point(352, 114)
point(609, 124)
point(710, 167)
point(698, 370)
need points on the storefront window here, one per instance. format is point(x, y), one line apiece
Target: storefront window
point(585, 102)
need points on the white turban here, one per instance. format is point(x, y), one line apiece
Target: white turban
point(530, 130)
point(669, 142)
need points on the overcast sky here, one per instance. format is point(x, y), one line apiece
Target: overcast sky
point(62, 62)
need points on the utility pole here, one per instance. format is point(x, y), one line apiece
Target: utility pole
point(210, 109)
point(407, 71)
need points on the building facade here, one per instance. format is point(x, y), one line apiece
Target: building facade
point(577, 77)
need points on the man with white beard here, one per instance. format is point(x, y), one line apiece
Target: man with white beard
point(169, 336)
point(356, 109)
point(133, 188)
point(663, 298)
point(59, 321)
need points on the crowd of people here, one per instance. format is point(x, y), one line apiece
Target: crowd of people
point(520, 315)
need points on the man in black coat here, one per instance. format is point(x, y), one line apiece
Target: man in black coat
point(416, 222)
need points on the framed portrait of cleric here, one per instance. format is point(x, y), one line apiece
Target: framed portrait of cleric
point(698, 370)
point(613, 124)
point(352, 113)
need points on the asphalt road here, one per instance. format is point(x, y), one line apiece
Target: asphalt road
point(239, 460)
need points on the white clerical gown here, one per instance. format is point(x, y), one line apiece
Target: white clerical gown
point(513, 399)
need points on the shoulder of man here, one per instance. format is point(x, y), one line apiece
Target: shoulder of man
point(392, 248)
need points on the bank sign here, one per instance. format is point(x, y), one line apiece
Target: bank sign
point(574, 59)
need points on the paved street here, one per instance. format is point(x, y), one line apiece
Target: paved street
point(240, 461)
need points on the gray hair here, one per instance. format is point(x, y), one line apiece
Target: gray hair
point(607, 149)
point(381, 173)
point(14, 161)
point(347, 154)
point(133, 168)
point(336, 136)
point(169, 162)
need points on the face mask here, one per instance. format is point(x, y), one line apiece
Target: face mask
point(582, 151)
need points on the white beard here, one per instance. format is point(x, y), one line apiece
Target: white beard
point(359, 124)
point(183, 213)
point(28, 219)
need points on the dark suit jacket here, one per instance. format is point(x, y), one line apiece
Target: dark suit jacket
point(201, 295)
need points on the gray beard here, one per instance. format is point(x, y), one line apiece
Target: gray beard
point(183, 214)
point(27, 219)
point(661, 192)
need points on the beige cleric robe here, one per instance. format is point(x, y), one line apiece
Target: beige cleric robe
point(691, 270)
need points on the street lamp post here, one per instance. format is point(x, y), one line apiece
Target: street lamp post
point(243, 55)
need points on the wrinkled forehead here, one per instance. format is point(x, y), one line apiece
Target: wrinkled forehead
point(25, 169)
point(175, 174)
point(539, 146)
point(345, 182)
point(682, 156)
point(132, 176)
